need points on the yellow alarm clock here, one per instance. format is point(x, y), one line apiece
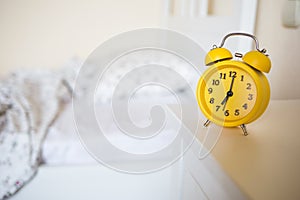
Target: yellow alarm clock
point(234, 92)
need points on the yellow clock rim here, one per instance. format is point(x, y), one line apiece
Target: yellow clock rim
point(262, 98)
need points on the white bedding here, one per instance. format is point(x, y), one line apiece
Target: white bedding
point(63, 145)
point(29, 104)
point(44, 97)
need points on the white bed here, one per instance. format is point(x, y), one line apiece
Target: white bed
point(70, 172)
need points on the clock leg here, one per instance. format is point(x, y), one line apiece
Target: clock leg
point(206, 123)
point(243, 126)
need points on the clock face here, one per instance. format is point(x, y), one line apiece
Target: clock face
point(227, 94)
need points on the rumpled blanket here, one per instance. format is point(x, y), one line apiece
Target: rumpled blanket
point(29, 103)
point(32, 101)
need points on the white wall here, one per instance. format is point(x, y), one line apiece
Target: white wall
point(41, 33)
point(44, 33)
point(283, 45)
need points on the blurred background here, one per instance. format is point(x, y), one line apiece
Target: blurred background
point(46, 34)
point(57, 34)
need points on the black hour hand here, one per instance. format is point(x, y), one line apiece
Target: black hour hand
point(225, 100)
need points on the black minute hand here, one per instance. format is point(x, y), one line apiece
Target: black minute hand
point(231, 85)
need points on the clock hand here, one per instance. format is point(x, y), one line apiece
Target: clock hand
point(229, 94)
point(231, 86)
point(224, 102)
